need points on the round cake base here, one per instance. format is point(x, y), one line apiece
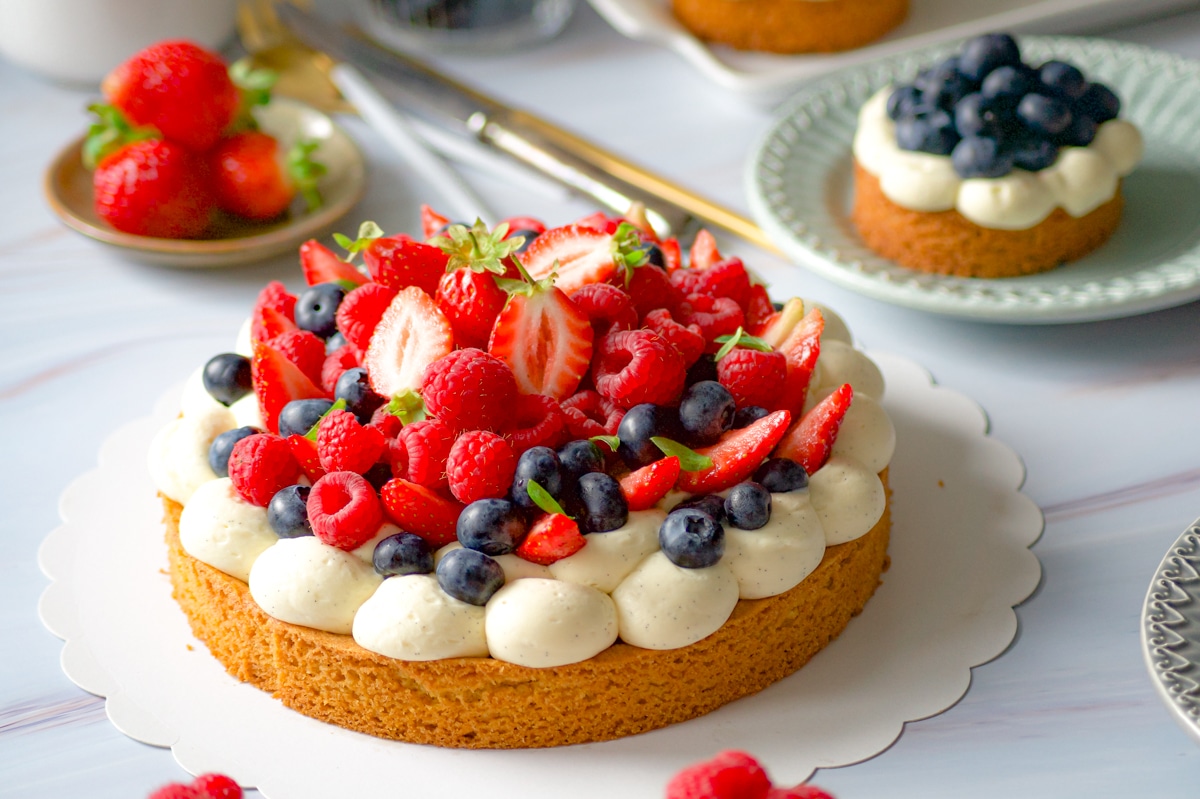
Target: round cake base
point(790, 26)
point(481, 703)
point(947, 243)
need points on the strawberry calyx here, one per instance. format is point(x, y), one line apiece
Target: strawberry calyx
point(368, 232)
point(109, 132)
point(407, 406)
point(740, 338)
point(306, 172)
point(526, 285)
point(629, 251)
point(477, 248)
point(254, 85)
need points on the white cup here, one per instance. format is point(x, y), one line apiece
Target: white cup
point(80, 41)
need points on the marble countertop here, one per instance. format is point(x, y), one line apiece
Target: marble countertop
point(1104, 415)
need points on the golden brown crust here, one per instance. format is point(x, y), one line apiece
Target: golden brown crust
point(790, 26)
point(947, 243)
point(482, 703)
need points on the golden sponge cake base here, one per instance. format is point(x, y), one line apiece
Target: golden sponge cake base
point(790, 26)
point(481, 703)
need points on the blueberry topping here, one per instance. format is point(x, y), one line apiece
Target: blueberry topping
point(1079, 133)
point(904, 102)
point(403, 553)
point(577, 458)
point(781, 475)
point(928, 133)
point(287, 512)
point(975, 115)
point(1063, 80)
point(985, 53)
point(491, 526)
point(1099, 103)
point(316, 308)
point(602, 505)
point(945, 85)
point(1035, 154)
point(748, 506)
point(1007, 85)
point(705, 368)
point(638, 426)
point(227, 377)
point(654, 254)
point(711, 504)
point(978, 157)
point(1045, 116)
point(541, 465)
point(705, 412)
point(691, 539)
point(748, 415)
point(469, 576)
point(298, 416)
point(222, 447)
point(335, 343)
point(355, 388)
point(379, 475)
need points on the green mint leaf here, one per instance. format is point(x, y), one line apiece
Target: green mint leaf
point(740, 338)
point(367, 233)
point(408, 407)
point(689, 459)
point(311, 435)
point(612, 442)
point(541, 497)
point(306, 172)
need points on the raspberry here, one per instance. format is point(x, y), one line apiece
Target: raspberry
point(637, 366)
point(336, 363)
point(361, 311)
point(176, 790)
point(428, 445)
point(589, 414)
point(607, 307)
point(729, 775)
point(345, 445)
point(273, 313)
point(344, 510)
point(471, 302)
point(260, 465)
point(688, 341)
point(275, 296)
point(799, 792)
point(714, 317)
point(480, 466)
point(758, 306)
point(387, 423)
point(304, 349)
point(753, 377)
point(396, 455)
point(538, 421)
point(726, 278)
point(650, 288)
point(470, 390)
point(217, 786)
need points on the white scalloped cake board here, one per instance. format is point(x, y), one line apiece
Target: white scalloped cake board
point(960, 562)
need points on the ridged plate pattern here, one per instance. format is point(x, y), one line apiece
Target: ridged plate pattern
point(1171, 630)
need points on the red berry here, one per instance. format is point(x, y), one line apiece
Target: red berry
point(672, 254)
point(471, 301)
point(277, 381)
point(248, 177)
point(715, 317)
point(759, 307)
point(304, 349)
point(273, 313)
point(480, 466)
point(361, 310)
point(546, 340)
point(176, 790)
point(736, 455)
point(637, 366)
point(753, 377)
point(704, 251)
point(412, 334)
point(646, 486)
point(153, 188)
point(799, 792)
point(726, 278)
point(650, 288)
point(589, 414)
point(427, 444)
point(729, 775)
point(607, 307)
point(470, 390)
point(400, 262)
point(810, 440)
point(275, 295)
point(801, 348)
point(336, 363)
point(304, 450)
point(552, 538)
point(344, 510)
point(688, 341)
point(577, 254)
point(217, 786)
point(260, 465)
point(345, 445)
point(431, 222)
point(320, 265)
point(419, 510)
point(538, 421)
point(387, 423)
point(519, 223)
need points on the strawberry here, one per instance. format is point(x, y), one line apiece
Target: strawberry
point(597, 221)
point(776, 328)
point(522, 224)
point(758, 307)
point(321, 265)
point(361, 310)
point(400, 262)
point(432, 222)
point(672, 254)
point(552, 538)
point(471, 302)
point(470, 390)
point(266, 324)
point(412, 334)
point(810, 440)
point(178, 87)
point(646, 486)
point(736, 455)
point(304, 349)
point(252, 178)
point(304, 450)
point(580, 255)
point(153, 188)
point(801, 349)
point(421, 511)
point(704, 251)
point(277, 381)
point(545, 339)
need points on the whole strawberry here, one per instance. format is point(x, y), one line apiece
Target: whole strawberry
point(253, 177)
point(153, 188)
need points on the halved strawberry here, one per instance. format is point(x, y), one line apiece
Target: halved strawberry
point(758, 307)
point(304, 450)
point(303, 348)
point(704, 251)
point(779, 325)
point(421, 511)
point(399, 262)
point(321, 265)
point(646, 486)
point(361, 310)
point(412, 334)
point(277, 381)
point(801, 349)
point(552, 538)
point(580, 255)
point(672, 254)
point(431, 222)
point(545, 338)
point(266, 323)
point(810, 440)
point(736, 455)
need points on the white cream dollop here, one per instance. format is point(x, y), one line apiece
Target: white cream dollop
point(777, 556)
point(304, 581)
point(543, 623)
point(178, 457)
point(608, 558)
point(663, 606)
point(867, 433)
point(848, 497)
point(412, 618)
point(221, 529)
point(841, 363)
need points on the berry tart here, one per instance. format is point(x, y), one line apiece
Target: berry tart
point(986, 166)
point(790, 26)
point(525, 487)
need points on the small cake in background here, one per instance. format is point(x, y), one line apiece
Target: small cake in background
point(790, 26)
point(986, 166)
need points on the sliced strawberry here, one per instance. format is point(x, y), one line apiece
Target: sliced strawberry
point(545, 339)
point(578, 254)
point(520, 223)
point(320, 265)
point(412, 334)
point(277, 381)
point(779, 325)
point(552, 538)
point(758, 307)
point(801, 349)
point(304, 450)
point(421, 511)
point(810, 440)
point(736, 455)
point(303, 348)
point(431, 222)
point(275, 295)
point(267, 323)
point(704, 251)
point(400, 262)
point(672, 254)
point(361, 310)
point(646, 486)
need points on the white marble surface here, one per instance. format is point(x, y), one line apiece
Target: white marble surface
point(1104, 414)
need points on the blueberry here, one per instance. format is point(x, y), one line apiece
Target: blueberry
point(298, 416)
point(222, 447)
point(227, 377)
point(781, 475)
point(491, 526)
point(287, 512)
point(1063, 80)
point(316, 308)
point(748, 415)
point(905, 101)
point(1007, 85)
point(355, 388)
point(1045, 116)
point(379, 475)
point(335, 343)
point(945, 85)
point(1079, 133)
point(978, 157)
point(748, 506)
point(985, 53)
point(1099, 103)
point(529, 235)
point(711, 504)
point(602, 505)
point(705, 412)
point(469, 576)
point(577, 458)
point(975, 115)
point(403, 553)
point(705, 368)
point(654, 254)
point(691, 539)
point(930, 133)
point(541, 465)
point(1034, 154)
point(640, 423)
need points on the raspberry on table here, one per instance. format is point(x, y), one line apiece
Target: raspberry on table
point(345, 444)
point(217, 786)
point(480, 466)
point(470, 390)
point(261, 465)
point(344, 510)
point(637, 366)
